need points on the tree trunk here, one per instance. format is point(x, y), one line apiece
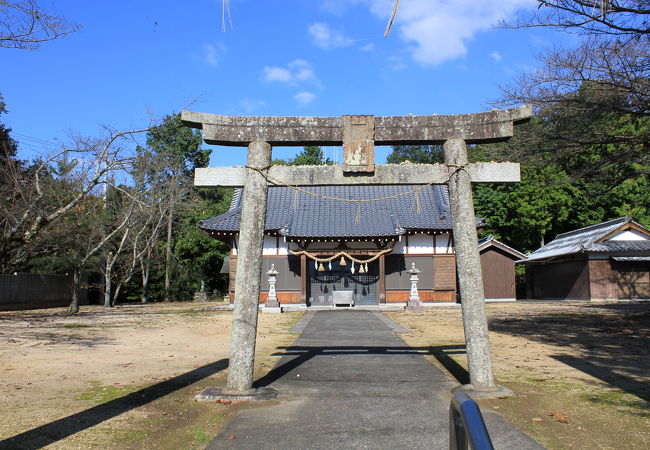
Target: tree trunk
point(74, 304)
point(168, 258)
point(116, 293)
point(145, 282)
point(108, 279)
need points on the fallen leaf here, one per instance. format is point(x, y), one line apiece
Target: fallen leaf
point(502, 397)
point(560, 417)
point(232, 436)
point(536, 419)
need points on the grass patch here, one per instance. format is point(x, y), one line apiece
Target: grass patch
point(200, 437)
point(74, 325)
point(618, 399)
point(129, 436)
point(102, 394)
point(558, 385)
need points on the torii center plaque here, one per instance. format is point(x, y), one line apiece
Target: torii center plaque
point(358, 134)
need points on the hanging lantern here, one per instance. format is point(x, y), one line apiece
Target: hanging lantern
point(321, 268)
point(361, 269)
point(342, 263)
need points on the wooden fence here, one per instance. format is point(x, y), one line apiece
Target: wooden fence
point(30, 291)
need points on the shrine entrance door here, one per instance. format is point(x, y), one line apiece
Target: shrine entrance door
point(343, 286)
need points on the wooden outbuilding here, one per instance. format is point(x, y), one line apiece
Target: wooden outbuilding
point(498, 266)
point(606, 261)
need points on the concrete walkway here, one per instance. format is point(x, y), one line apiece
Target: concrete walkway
point(349, 382)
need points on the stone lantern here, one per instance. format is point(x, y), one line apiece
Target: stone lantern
point(414, 303)
point(272, 299)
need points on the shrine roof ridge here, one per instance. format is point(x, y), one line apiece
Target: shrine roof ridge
point(491, 126)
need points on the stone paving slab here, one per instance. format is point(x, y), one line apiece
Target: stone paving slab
point(349, 381)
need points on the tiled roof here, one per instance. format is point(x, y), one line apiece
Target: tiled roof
point(489, 240)
point(587, 240)
point(298, 214)
point(620, 246)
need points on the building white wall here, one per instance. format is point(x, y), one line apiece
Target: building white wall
point(420, 244)
point(270, 246)
point(629, 235)
point(443, 244)
point(283, 248)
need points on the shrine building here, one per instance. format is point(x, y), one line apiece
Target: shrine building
point(350, 245)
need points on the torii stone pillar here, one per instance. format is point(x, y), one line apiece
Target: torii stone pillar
point(358, 134)
point(468, 262)
point(249, 270)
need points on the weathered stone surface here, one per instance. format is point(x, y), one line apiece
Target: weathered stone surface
point(358, 143)
point(478, 392)
point(216, 394)
point(249, 272)
point(491, 126)
point(277, 131)
point(468, 262)
point(406, 130)
point(383, 174)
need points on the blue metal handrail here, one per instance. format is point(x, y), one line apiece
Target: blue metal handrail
point(466, 426)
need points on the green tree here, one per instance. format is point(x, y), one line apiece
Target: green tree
point(200, 256)
point(311, 155)
point(8, 146)
point(177, 151)
point(166, 166)
point(526, 214)
point(416, 154)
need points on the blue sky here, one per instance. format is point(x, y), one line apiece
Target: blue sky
point(134, 62)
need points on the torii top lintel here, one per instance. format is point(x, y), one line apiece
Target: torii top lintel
point(493, 126)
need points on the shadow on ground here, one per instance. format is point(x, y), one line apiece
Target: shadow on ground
point(608, 342)
point(59, 429)
point(302, 354)
point(442, 354)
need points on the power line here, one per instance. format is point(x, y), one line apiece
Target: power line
point(33, 139)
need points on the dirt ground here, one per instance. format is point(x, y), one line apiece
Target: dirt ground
point(122, 377)
point(125, 377)
point(580, 371)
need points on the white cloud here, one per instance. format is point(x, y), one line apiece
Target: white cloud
point(496, 56)
point(251, 105)
point(279, 74)
point(212, 54)
point(304, 98)
point(396, 63)
point(295, 72)
point(368, 47)
point(440, 30)
point(328, 38)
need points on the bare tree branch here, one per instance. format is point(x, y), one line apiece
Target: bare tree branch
point(622, 18)
point(25, 25)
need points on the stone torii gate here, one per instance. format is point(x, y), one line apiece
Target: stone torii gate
point(358, 134)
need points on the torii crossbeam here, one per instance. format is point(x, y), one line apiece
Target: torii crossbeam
point(358, 135)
